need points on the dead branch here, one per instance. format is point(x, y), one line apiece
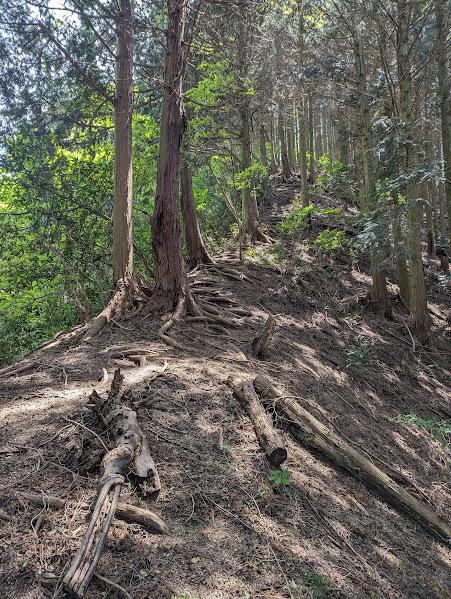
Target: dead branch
point(269, 439)
point(124, 511)
point(114, 585)
point(131, 451)
point(315, 434)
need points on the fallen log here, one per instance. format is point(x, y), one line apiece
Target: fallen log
point(315, 434)
point(124, 511)
point(269, 439)
point(131, 451)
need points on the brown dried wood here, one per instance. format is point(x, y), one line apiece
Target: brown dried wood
point(269, 439)
point(260, 344)
point(124, 511)
point(131, 451)
point(315, 434)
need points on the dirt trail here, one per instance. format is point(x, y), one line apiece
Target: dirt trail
point(234, 533)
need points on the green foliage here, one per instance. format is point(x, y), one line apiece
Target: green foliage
point(281, 477)
point(297, 220)
point(333, 176)
point(330, 240)
point(439, 430)
point(254, 177)
point(313, 585)
point(361, 355)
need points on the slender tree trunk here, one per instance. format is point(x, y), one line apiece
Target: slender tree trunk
point(319, 136)
point(311, 141)
point(249, 213)
point(286, 171)
point(171, 280)
point(444, 93)
point(379, 292)
point(262, 139)
point(428, 209)
point(195, 248)
point(123, 265)
point(274, 165)
point(303, 136)
point(419, 317)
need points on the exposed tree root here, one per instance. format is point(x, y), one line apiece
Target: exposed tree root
point(121, 299)
point(179, 311)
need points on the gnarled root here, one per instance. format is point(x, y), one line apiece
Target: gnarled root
point(117, 305)
point(131, 451)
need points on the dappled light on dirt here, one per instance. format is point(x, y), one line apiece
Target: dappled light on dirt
point(234, 532)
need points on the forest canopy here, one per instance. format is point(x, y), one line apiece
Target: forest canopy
point(140, 137)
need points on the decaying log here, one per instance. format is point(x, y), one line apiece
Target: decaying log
point(315, 434)
point(131, 451)
point(269, 439)
point(260, 344)
point(124, 511)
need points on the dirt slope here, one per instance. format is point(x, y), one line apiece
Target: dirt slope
point(234, 533)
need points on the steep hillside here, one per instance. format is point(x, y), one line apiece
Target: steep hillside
point(233, 531)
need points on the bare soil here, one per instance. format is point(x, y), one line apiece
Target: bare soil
point(234, 533)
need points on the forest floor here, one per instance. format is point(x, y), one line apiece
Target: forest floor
point(233, 532)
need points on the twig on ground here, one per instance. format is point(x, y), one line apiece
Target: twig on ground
point(89, 431)
point(114, 585)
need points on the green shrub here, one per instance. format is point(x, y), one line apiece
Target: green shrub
point(297, 220)
point(330, 240)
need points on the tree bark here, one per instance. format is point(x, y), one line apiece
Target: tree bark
point(171, 280)
point(312, 164)
point(444, 93)
point(195, 247)
point(303, 137)
point(379, 292)
point(419, 317)
point(269, 439)
point(262, 139)
point(286, 171)
point(123, 265)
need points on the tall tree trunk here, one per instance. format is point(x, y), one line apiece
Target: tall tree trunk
point(171, 281)
point(312, 164)
point(379, 291)
point(123, 265)
point(319, 130)
point(262, 139)
point(249, 212)
point(444, 93)
point(274, 165)
point(419, 317)
point(303, 136)
point(286, 171)
point(195, 248)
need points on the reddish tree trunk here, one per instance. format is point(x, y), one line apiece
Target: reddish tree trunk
point(171, 280)
point(123, 265)
point(196, 250)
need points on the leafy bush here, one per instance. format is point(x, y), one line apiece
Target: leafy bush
point(439, 430)
point(333, 176)
point(281, 477)
point(297, 220)
point(330, 240)
point(360, 356)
